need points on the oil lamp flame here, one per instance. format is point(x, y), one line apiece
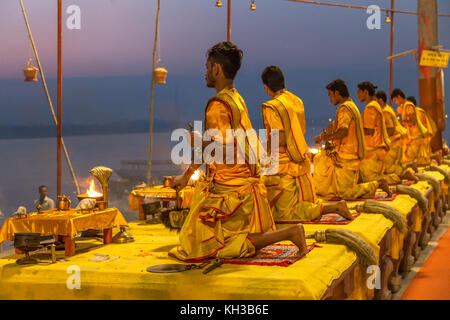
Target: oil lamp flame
point(92, 192)
point(196, 175)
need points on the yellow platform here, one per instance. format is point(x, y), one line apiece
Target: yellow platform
point(127, 278)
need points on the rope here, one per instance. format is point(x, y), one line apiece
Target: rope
point(44, 84)
point(149, 168)
point(159, 44)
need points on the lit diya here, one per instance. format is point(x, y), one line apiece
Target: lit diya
point(91, 193)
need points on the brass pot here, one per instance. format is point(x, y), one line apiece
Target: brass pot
point(63, 202)
point(101, 205)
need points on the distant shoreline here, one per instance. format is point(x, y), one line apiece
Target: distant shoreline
point(34, 132)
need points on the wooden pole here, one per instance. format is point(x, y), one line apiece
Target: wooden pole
point(229, 21)
point(47, 94)
point(59, 93)
point(149, 167)
point(391, 62)
point(428, 37)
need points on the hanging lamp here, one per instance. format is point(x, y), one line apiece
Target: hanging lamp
point(253, 6)
point(218, 3)
point(30, 72)
point(159, 74)
point(388, 20)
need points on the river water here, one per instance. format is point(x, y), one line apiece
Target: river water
point(27, 163)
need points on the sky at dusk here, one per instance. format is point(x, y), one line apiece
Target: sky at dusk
point(107, 64)
point(107, 73)
point(116, 36)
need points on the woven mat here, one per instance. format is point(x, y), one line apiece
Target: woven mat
point(330, 218)
point(382, 196)
point(273, 255)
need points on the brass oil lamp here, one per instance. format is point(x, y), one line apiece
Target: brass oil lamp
point(30, 72)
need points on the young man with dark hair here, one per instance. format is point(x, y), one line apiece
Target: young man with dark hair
point(393, 161)
point(336, 170)
point(375, 134)
point(229, 214)
point(291, 191)
point(416, 131)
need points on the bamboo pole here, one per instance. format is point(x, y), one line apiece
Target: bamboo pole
point(149, 167)
point(229, 21)
point(59, 101)
point(391, 62)
point(44, 84)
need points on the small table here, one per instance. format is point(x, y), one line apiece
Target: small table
point(65, 224)
point(165, 194)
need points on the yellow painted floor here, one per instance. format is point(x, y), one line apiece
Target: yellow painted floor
point(127, 278)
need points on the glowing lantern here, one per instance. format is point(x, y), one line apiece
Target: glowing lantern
point(160, 75)
point(30, 72)
point(253, 6)
point(218, 3)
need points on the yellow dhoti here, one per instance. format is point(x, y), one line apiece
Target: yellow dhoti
point(424, 151)
point(393, 160)
point(372, 167)
point(293, 198)
point(333, 181)
point(291, 191)
point(220, 220)
point(410, 150)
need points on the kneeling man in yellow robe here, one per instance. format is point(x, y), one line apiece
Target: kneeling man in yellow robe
point(375, 135)
point(229, 214)
point(393, 161)
point(291, 190)
point(425, 154)
point(416, 131)
point(336, 170)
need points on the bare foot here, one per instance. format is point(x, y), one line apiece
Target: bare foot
point(437, 157)
point(383, 185)
point(408, 175)
point(297, 236)
point(413, 165)
point(343, 211)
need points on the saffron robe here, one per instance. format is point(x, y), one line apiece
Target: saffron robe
point(377, 144)
point(232, 202)
point(338, 177)
point(415, 131)
point(393, 161)
point(291, 191)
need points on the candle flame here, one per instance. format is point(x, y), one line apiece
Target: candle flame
point(92, 192)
